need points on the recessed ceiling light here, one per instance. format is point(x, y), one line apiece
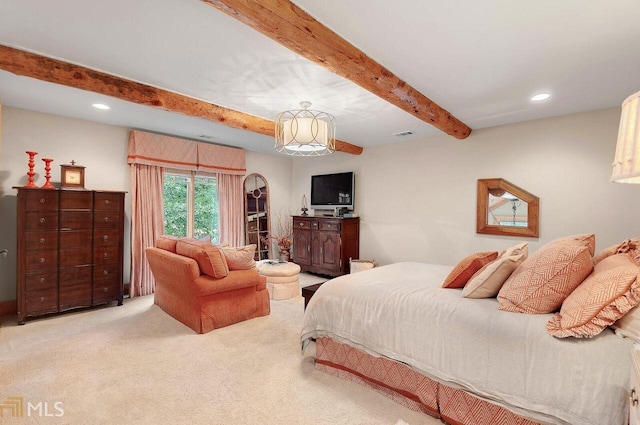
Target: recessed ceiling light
point(100, 106)
point(540, 97)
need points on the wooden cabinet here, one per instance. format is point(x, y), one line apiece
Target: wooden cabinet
point(70, 250)
point(324, 245)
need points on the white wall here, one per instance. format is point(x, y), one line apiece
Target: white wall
point(417, 200)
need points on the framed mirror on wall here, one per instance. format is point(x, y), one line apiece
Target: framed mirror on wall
point(506, 209)
point(257, 217)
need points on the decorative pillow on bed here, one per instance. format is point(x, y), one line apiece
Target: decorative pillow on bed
point(210, 259)
point(629, 245)
point(542, 282)
point(487, 281)
point(521, 248)
point(612, 290)
point(587, 238)
point(240, 258)
point(463, 271)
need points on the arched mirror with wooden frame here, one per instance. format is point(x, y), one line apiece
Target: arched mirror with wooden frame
point(257, 217)
point(505, 209)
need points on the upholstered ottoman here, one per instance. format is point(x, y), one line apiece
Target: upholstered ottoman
point(282, 278)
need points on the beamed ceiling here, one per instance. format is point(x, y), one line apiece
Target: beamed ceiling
point(220, 71)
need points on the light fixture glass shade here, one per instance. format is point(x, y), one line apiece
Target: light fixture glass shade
point(626, 165)
point(304, 132)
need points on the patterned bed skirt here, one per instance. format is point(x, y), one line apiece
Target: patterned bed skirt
point(409, 388)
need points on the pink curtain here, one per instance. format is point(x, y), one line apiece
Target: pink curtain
point(230, 193)
point(147, 223)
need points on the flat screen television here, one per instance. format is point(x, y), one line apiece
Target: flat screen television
point(330, 191)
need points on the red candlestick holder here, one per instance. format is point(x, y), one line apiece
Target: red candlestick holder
point(47, 174)
point(31, 173)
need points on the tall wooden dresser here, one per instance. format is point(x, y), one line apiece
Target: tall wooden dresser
point(70, 249)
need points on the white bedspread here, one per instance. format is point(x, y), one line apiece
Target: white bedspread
point(401, 312)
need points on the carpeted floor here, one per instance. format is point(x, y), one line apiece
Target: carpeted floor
point(136, 365)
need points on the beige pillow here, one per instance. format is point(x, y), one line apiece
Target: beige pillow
point(210, 259)
point(463, 271)
point(521, 248)
point(542, 282)
point(240, 258)
point(487, 281)
point(611, 291)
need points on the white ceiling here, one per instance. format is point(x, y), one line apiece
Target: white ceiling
point(480, 60)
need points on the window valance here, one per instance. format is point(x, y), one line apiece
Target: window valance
point(182, 154)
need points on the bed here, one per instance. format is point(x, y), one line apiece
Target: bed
point(463, 360)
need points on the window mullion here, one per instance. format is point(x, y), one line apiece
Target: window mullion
point(190, 203)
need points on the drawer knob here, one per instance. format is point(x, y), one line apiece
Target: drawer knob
point(42, 260)
point(105, 256)
point(42, 200)
point(42, 220)
point(634, 397)
point(41, 240)
point(328, 226)
point(301, 224)
point(106, 219)
point(41, 299)
point(42, 280)
point(105, 289)
point(105, 272)
point(106, 202)
point(105, 238)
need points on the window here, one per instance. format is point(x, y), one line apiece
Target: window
point(191, 205)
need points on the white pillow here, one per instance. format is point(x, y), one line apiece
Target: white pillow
point(487, 281)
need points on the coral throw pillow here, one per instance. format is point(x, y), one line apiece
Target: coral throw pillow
point(463, 271)
point(629, 245)
point(542, 282)
point(167, 242)
point(240, 258)
point(487, 281)
point(611, 291)
point(210, 259)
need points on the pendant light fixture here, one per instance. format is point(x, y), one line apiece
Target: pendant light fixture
point(304, 132)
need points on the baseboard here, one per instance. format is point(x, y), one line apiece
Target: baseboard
point(8, 308)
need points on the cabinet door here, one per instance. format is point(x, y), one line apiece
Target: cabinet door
point(328, 255)
point(302, 247)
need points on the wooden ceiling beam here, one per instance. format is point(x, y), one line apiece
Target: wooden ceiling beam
point(295, 29)
point(55, 71)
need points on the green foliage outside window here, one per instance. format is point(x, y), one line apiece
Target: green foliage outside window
point(205, 206)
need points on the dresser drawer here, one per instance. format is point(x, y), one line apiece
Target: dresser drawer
point(105, 291)
point(37, 261)
point(39, 220)
point(75, 257)
point(108, 201)
point(102, 256)
point(303, 224)
point(106, 237)
point(106, 218)
point(71, 276)
point(76, 220)
point(42, 300)
point(76, 238)
point(41, 240)
point(76, 200)
point(333, 226)
point(42, 280)
point(106, 272)
point(41, 200)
